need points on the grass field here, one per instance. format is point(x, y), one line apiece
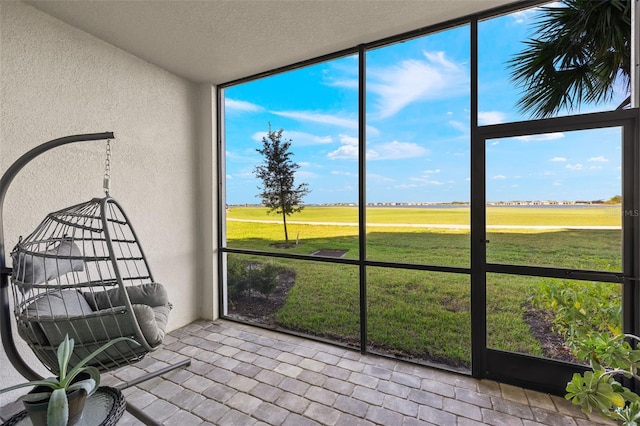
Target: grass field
point(577, 216)
point(421, 314)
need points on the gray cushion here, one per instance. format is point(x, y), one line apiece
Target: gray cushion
point(43, 266)
point(59, 304)
point(151, 294)
point(152, 322)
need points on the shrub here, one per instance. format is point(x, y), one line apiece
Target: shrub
point(581, 309)
point(598, 390)
point(244, 276)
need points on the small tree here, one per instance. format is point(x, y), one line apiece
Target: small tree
point(279, 192)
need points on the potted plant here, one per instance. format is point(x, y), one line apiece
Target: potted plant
point(599, 390)
point(63, 396)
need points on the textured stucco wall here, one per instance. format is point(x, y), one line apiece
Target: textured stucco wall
point(56, 80)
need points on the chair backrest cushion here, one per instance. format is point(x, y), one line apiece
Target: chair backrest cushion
point(150, 294)
point(36, 268)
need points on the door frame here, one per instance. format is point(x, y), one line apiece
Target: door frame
point(525, 370)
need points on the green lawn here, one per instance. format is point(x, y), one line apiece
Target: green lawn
point(421, 314)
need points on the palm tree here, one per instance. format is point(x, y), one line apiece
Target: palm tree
point(582, 48)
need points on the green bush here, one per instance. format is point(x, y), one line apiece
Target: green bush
point(244, 276)
point(598, 390)
point(581, 309)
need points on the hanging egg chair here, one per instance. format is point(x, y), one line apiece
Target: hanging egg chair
point(81, 273)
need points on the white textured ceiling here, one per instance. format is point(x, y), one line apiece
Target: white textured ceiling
point(218, 41)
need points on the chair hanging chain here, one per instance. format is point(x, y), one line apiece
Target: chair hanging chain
point(106, 182)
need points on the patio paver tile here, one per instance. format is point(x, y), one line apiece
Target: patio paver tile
point(294, 419)
point(271, 414)
point(393, 389)
point(266, 393)
point(364, 380)
point(339, 386)
point(406, 379)
point(166, 389)
point(312, 364)
point(288, 370)
point(294, 386)
point(269, 377)
point(547, 417)
point(426, 398)
point(234, 417)
point(188, 399)
point(351, 405)
point(511, 407)
point(462, 409)
point(383, 416)
point(210, 410)
point(182, 418)
point(367, 395)
point(322, 413)
point(294, 403)
point(320, 395)
point(313, 378)
point(349, 420)
point(244, 402)
point(198, 383)
point(400, 405)
point(496, 418)
point(242, 383)
point(220, 393)
point(161, 410)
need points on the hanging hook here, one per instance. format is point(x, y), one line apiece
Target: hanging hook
point(106, 182)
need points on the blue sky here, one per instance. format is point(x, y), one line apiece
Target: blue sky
point(418, 121)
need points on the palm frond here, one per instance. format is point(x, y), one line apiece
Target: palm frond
point(581, 49)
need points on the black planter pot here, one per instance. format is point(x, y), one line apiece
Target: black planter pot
point(37, 410)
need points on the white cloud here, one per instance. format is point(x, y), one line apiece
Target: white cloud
point(349, 140)
point(491, 117)
point(499, 177)
point(557, 183)
point(522, 16)
point(411, 80)
point(397, 150)
point(329, 119)
point(425, 179)
point(387, 151)
point(595, 167)
point(558, 159)
point(341, 173)
point(379, 178)
point(543, 137)
point(243, 106)
point(599, 159)
point(494, 143)
point(345, 152)
point(577, 166)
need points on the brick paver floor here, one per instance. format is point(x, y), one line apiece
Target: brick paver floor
point(243, 375)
